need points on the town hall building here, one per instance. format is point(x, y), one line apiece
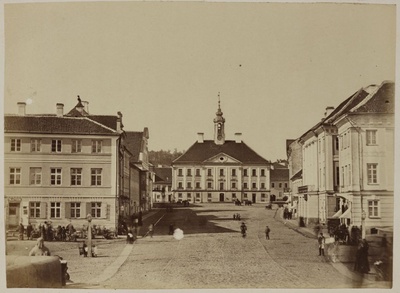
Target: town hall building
point(220, 170)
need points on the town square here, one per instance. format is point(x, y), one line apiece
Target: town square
point(168, 145)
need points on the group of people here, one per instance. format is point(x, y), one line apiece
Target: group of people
point(236, 216)
point(287, 214)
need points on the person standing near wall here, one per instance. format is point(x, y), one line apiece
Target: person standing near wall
point(321, 244)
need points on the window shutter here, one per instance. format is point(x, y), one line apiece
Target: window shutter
point(67, 210)
point(104, 210)
point(43, 210)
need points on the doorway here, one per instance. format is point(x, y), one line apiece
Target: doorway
point(13, 214)
point(254, 197)
point(221, 197)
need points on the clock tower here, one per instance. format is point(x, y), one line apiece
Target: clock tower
point(219, 128)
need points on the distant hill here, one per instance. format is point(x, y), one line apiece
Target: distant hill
point(163, 158)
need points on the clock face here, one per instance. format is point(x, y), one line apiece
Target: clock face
point(219, 137)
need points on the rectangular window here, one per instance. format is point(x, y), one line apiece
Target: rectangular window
point(372, 173)
point(96, 209)
point(189, 172)
point(180, 184)
point(336, 143)
point(197, 172)
point(15, 145)
point(233, 184)
point(76, 146)
point(15, 176)
point(197, 184)
point(55, 176)
point(34, 209)
point(233, 172)
point(75, 209)
point(263, 172)
point(262, 185)
point(262, 196)
point(221, 186)
point(209, 197)
point(35, 175)
point(254, 185)
point(56, 146)
point(197, 195)
point(209, 184)
point(273, 185)
point(189, 184)
point(221, 172)
point(245, 186)
point(233, 195)
point(76, 176)
point(254, 172)
point(280, 185)
point(96, 146)
point(245, 195)
point(373, 208)
point(35, 145)
point(245, 172)
point(96, 175)
point(371, 137)
point(189, 195)
point(285, 185)
point(55, 210)
point(180, 172)
point(209, 172)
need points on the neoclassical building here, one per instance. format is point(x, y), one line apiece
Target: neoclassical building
point(220, 170)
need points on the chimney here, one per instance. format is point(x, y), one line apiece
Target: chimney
point(119, 122)
point(238, 137)
point(60, 109)
point(21, 108)
point(328, 111)
point(200, 137)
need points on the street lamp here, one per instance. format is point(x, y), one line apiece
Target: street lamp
point(89, 218)
point(363, 216)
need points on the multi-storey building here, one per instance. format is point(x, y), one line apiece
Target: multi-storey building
point(162, 187)
point(341, 158)
point(279, 179)
point(60, 168)
point(295, 160)
point(220, 170)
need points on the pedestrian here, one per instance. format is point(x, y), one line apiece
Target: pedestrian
point(29, 230)
point(151, 230)
point(21, 230)
point(364, 263)
point(39, 249)
point(321, 244)
point(267, 230)
point(234, 216)
point(171, 229)
point(43, 231)
point(243, 229)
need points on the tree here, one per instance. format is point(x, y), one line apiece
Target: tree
point(163, 158)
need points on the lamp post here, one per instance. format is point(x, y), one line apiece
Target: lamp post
point(363, 216)
point(89, 218)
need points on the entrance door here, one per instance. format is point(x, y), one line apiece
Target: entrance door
point(254, 198)
point(221, 197)
point(13, 214)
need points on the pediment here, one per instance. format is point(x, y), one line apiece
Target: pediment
point(221, 158)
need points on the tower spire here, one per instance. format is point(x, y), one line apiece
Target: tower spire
point(219, 120)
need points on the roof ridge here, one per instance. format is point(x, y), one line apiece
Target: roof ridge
point(367, 98)
point(98, 123)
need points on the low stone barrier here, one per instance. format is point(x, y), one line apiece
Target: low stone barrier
point(33, 272)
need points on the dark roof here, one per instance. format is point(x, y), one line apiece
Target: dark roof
point(75, 113)
point(53, 124)
point(278, 165)
point(107, 120)
point(381, 102)
point(200, 152)
point(133, 142)
point(279, 174)
point(163, 174)
point(298, 175)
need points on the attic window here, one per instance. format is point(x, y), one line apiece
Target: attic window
point(222, 159)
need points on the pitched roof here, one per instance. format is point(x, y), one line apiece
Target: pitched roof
point(381, 102)
point(200, 152)
point(163, 174)
point(54, 125)
point(298, 175)
point(279, 174)
point(134, 141)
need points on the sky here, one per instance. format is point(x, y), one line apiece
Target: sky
point(162, 64)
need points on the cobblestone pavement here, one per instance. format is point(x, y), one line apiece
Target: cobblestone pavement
point(214, 255)
point(211, 255)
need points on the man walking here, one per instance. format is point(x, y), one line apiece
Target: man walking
point(321, 244)
point(267, 230)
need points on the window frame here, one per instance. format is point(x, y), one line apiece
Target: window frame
point(97, 146)
point(36, 144)
point(15, 145)
point(75, 210)
point(76, 176)
point(55, 210)
point(76, 146)
point(56, 145)
point(33, 176)
point(55, 176)
point(34, 210)
point(370, 135)
point(372, 171)
point(95, 209)
point(15, 177)
point(375, 205)
point(96, 177)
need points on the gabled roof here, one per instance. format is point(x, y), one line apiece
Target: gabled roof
point(298, 175)
point(163, 174)
point(134, 142)
point(381, 102)
point(279, 174)
point(54, 125)
point(199, 152)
